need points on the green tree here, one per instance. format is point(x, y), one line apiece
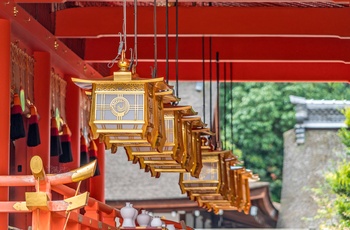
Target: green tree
point(259, 114)
point(340, 184)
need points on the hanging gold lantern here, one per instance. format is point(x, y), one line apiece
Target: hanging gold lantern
point(173, 144)
point(168, 164)
point(191, 150)
point(210, 179)
point(194, 161)
point(225, 194)
point(241, 194)
point(126, 110)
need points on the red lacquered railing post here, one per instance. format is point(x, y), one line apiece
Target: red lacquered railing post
point(109, 218)
point(92, 211)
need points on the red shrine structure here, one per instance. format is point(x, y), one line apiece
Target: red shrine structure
point(41, 40)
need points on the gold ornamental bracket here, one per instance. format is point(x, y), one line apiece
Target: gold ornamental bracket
point(35, 200)
point(76, 175)
point(41, 198)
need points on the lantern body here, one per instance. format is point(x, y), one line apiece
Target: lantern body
point(209, 179)
point(120, 110)
point(212, 186)
point(127, 111)
point(241, 194)
point(164, 161)
point(191, 158)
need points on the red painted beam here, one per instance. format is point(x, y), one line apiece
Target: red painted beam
point(28, 30)
point(255, 71)
point(107, 21)
point(151, 1)
point(230, 48)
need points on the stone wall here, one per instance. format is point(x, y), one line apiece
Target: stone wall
point(303, 168)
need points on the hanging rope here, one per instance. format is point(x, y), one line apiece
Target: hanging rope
point(218, 141)
point(122, 38)
point(231, 88)
point(203, 72)
point(177, 46)
point(154, 74)
point(167, 41)
point(124, 23)
point(224, 129)
point(210, 88)
point(135, 32)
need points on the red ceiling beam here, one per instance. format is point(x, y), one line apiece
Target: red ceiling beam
point(161, 2)
point(254, 71)
point(25, 29)
point(107, 21)
point(230, 48)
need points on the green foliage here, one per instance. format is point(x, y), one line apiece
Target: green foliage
point(333, 197)
point(340, 179)
point(339, 182)
point(343, 205)
point(344, 133)
point(261, 113)
point(326, 212)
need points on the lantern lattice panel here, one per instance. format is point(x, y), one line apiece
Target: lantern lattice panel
point(209, 178)
point(240, 200)
point(119, 108)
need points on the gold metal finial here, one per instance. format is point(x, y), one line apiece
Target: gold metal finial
point(123, 63)
point(123, 74)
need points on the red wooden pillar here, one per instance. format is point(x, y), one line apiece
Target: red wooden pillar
point(73, 120)
point(5, 58)
point(97, 183)
point(42, 68)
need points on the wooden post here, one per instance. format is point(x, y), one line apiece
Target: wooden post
point(109, 218)
point(5, 58)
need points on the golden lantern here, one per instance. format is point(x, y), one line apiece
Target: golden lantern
point(225, 194)
point(211, 178)
point(126, 110)
point(192, 148)
point(193, 163)
point(168, 164)
point(240, 199)
point(173, 145)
